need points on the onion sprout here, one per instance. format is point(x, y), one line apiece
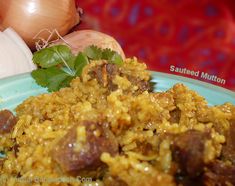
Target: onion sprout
point(43, 43)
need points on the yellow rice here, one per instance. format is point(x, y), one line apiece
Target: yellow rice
point(45, 119)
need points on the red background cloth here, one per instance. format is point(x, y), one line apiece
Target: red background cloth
point(198, 35)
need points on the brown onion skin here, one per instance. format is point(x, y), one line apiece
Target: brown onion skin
point(29, 17)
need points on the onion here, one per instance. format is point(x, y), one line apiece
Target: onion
point(21, 45)
point(79, 40)
point(28, 17)
point(15, 56)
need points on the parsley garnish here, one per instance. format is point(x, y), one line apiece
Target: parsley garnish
point(58, 66)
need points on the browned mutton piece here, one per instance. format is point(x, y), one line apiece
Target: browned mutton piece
point(188, 152)
point(105, 73)
point(1, 162)
point(80, 155)
point(7, 121)
point(141, 84)
point(222, 172)
point(228, 150)
point(175, 115)
point(219, 174)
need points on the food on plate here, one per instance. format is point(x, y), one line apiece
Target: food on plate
point(58, 65)
point(7, 121)
point(29, 17)
point(109, 128)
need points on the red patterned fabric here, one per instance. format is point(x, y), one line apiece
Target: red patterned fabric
point(198, 35)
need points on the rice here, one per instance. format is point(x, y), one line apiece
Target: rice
point(139, 121)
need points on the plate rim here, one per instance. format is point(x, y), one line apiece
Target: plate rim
point(196, 82)
point(156, 73)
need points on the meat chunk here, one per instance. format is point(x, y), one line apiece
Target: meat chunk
point(1, 162)
point(111, 69)
point(79, 151)
point(105, 74)
point(228, 150)
point(186, 181)
point(175, 115)
point(142, 84)
point(7, 121)
point(219, 174)
point(144, 148)
point(188, 152)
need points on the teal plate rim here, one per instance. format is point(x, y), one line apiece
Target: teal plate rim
point(15, 89)
point(196, 82)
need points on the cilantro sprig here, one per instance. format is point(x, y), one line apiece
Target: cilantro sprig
point(57, 66)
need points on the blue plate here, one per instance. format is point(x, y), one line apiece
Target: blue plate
point(15, 89)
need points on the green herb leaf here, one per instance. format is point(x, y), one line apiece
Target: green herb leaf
point(55, 79)
point(93, 52)
point(117, 59)
point(112, 56)
point(71, 62)
point(52, 56)
point(40, 77)
point(58, 66)
point(80, 62)
point(66, 82)
point(51, 77)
